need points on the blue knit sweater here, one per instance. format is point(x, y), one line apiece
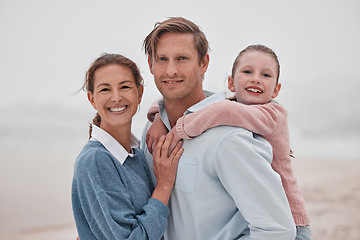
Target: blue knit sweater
point(111, 200)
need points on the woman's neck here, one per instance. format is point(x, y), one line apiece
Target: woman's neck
point(122, 134)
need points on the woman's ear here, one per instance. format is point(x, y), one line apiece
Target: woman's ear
point(276, 90)
point(91, 99)
point(231, 86)
point(141, 91)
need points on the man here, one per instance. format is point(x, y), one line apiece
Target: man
point(225, 187)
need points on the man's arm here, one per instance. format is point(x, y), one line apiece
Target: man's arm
point(243, 166)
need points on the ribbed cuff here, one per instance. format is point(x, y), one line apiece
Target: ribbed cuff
point(180, 128)
point(301, 219)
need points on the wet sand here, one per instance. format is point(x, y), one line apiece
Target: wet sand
point(35, 198)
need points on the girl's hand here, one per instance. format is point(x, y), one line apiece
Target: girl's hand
point(156, 130)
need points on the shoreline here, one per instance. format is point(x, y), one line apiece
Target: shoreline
point(331, 188)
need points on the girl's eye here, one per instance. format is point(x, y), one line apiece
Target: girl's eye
point(247, 72)
point(266, 75)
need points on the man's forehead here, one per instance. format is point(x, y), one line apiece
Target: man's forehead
point(175, 42)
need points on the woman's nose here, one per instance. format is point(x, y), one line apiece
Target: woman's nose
point(116, 96)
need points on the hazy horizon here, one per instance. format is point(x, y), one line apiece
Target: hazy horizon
point(46, 48)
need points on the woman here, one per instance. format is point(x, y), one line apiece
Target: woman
point(112, 193)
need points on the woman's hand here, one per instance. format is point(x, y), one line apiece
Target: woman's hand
point(165, 167)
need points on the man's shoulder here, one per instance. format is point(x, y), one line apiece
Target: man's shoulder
point(226, 131)
point(223, 135)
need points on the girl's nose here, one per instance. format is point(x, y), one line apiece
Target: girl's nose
point(255, 79)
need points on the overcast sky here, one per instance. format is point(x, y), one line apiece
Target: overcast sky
point(46, 47)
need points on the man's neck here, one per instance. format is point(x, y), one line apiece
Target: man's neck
point(176, 108)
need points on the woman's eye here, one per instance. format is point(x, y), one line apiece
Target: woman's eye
point(104, 89)
point(125, 87)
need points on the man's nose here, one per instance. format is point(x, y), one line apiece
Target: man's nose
point(171, 69)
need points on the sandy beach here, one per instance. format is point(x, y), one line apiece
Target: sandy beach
point(35, 197)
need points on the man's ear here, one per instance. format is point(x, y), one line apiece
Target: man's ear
point(150, 64)
point(91, 99)
point(205, 63)
point(276, 90)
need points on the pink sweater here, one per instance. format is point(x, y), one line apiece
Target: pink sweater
point(268, 120)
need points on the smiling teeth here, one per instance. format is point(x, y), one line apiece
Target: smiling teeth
point(117, 109)
point(254, 90)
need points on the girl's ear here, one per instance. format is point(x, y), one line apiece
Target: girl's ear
point(276, 90)
point(231, 86)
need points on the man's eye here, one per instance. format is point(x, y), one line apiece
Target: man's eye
point(162, 59)
point(182, 58)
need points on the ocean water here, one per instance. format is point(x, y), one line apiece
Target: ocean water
point(65, 130)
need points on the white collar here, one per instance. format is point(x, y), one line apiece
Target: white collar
point(113, 146)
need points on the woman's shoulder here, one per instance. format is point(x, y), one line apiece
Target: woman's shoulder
point(93, 154)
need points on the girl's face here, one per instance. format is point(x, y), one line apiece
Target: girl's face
point(116, 96)
point(254, 81)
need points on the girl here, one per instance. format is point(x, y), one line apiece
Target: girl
point(254, 80)
point(112, 191)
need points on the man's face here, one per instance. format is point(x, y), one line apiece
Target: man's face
point(176, 68)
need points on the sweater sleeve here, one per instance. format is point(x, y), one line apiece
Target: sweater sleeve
point(102, 203)
point(262, 119)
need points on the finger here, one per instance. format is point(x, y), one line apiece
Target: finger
point(177, 156)
point(148, 142)
point(176, 149)
point(159, 146)
point(154, 144)
point(168, 139)
point(173, 144)
point(150, 145)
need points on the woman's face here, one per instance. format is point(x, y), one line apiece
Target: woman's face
point(116, 96)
